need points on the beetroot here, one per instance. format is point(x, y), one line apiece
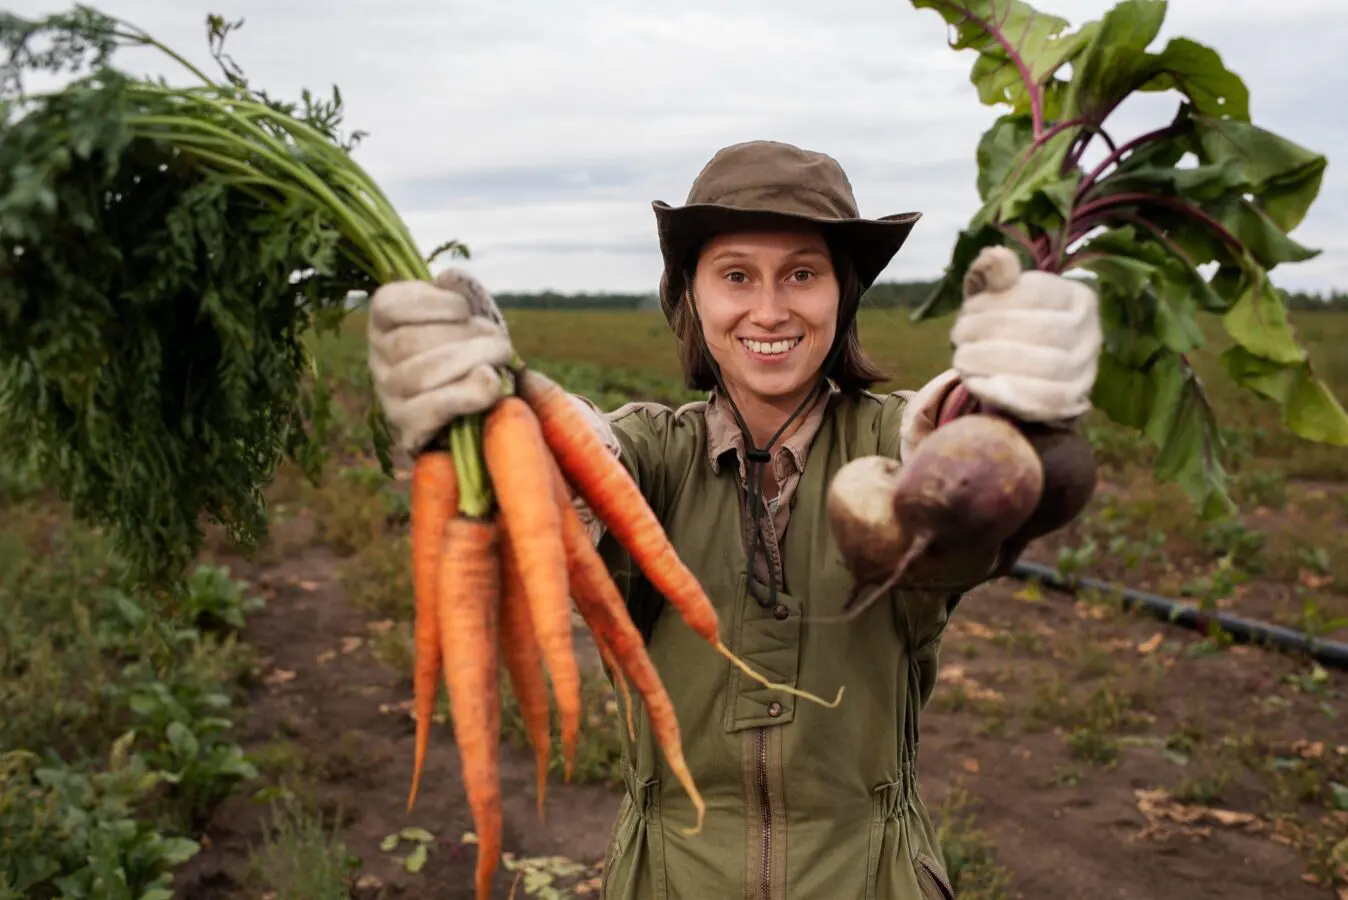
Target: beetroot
point(969, 486)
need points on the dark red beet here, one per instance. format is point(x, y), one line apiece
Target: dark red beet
point(970, 485)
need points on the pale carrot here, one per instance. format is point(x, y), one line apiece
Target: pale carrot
point(610, 661)
point(435, 498)
point(523, 662)
point(606, 614)
point(469, 599)
point(615, 498)
point(516, 457)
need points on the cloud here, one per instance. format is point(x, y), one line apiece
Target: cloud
point(539, 133)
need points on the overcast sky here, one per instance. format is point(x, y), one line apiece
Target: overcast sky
point(540, 132)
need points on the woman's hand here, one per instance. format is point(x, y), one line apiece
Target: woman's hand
point(434, 353)
point(1027, 343)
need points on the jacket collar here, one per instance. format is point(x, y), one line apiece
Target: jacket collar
point(788, 456)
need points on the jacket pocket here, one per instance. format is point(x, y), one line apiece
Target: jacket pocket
point(932, 878)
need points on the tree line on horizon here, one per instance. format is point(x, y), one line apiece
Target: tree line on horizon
point(882, 295)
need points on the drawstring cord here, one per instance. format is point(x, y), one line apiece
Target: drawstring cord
point(757, 457)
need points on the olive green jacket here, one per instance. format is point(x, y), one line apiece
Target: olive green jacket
point(802, 801)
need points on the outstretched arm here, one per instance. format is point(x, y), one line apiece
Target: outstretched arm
point(1026, 350)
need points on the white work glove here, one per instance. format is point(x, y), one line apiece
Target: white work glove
point(434, 349)
point(1027, 343)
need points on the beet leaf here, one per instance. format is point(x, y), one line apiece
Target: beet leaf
point(1208, 190)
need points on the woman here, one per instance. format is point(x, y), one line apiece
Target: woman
point(764, 270)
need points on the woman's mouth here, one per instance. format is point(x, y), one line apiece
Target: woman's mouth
point(770, 350)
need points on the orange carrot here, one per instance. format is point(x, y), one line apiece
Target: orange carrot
point(614, 496)
point(606, 614)
point(520, 651)
point(435, 498)
point(516, 456)
point(469, 598)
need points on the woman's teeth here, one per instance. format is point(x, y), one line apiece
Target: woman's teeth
point(771, 347)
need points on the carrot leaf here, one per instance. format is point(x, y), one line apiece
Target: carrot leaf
point(165, 253)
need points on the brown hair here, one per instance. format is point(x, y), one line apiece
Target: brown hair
point(853, 370)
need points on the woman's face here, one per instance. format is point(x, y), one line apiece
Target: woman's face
point(768, 302)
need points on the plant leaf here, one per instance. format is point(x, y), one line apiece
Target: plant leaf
point(1313, 412)
point(1258, 322)
point(420, 835)
point(416, 860)
point(1165, 401)
point(1196, 183)
point(1264, 377)
point(1284, 176)
point(1146, 296)
point(1191, 451)
point(1000, 149)
point(1009, 35)
point(1198, 72)
point(1114, 60)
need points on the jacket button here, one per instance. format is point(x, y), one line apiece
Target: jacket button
point(780, 611)
point(774, 709)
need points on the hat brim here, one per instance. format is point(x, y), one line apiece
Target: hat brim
point(872, 243)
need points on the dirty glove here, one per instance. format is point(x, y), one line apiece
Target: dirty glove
point(1027, 343)
point(434, 349)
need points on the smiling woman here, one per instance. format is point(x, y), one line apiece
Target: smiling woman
point(768, 306)
point(764, 268)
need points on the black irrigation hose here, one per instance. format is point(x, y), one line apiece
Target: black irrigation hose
point(1243, 631)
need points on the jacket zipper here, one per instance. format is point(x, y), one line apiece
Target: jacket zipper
point(935, 878)
point(765, 803)
point(764, 793)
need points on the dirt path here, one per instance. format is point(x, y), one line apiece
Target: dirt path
point(1053, 715)
point(1071, 829)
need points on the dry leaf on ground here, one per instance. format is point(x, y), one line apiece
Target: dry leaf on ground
point(279, 676)
point(957, 675)
point(1167, 816)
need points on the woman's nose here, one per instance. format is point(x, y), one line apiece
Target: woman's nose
point(769, 310)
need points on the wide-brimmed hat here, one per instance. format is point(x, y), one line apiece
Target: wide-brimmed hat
point(764, 183)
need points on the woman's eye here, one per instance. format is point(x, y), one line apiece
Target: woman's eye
point(735, 276)
point(802, 274)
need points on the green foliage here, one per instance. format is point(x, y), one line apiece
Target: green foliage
point(1207, 188)
point(163, 251)
point(88, 663)
point(76, 835)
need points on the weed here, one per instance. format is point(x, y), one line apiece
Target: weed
point(302, 857)
point(1092, 746)
point(970, 858)
point(378, 577)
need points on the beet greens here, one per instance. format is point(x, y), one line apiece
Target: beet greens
point(1207, 189)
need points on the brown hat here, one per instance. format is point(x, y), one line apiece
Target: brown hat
point(761, 183)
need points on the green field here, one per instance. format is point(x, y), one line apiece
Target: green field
point(135, 739)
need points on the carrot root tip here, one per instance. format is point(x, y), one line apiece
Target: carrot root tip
point(696, 828)
point(775, 685)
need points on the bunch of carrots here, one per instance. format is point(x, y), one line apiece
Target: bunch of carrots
point(494, 585)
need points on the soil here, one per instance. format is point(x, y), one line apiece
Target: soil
point(1062, 827)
